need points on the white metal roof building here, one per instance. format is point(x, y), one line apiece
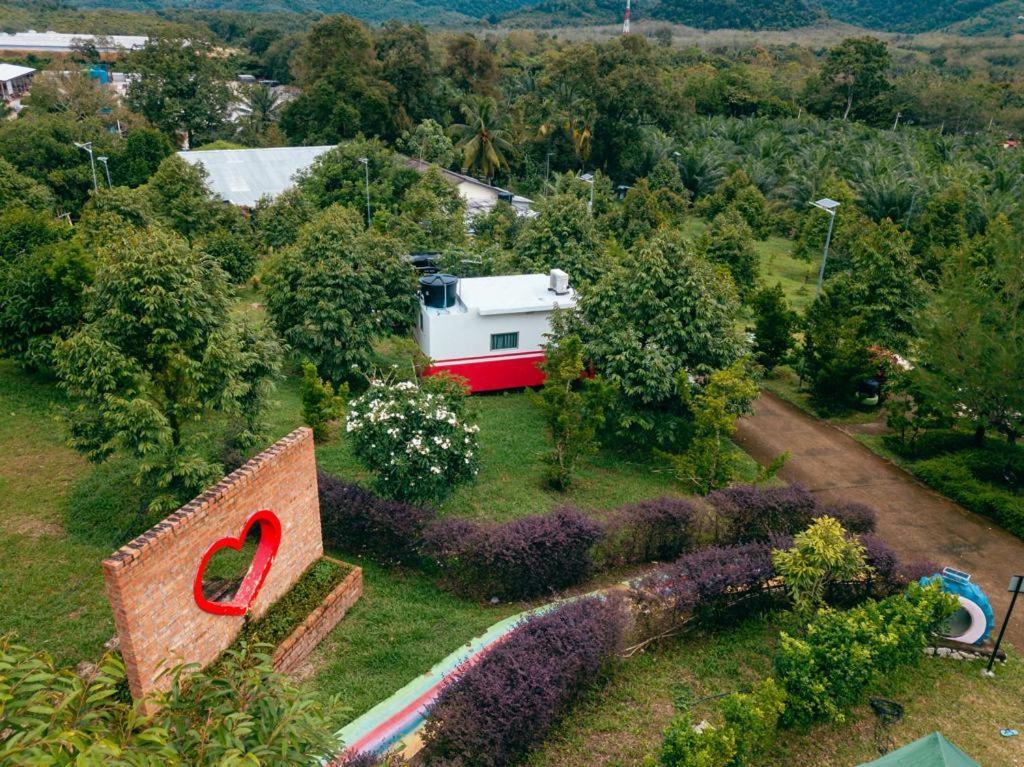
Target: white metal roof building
point(480, 196)
point(62, 42)
point(14, 80)
point(491, 330)
point(243, 176)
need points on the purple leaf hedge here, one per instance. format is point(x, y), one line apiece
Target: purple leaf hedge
point(524, 558)
point(356, 520)
point(750, 514)
point(658, 530)
point(856, 518)
point(495, 711)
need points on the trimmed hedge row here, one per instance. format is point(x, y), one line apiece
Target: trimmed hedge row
point(523, 558)
point(951, 477)
point(495, 711)
point(537, 555)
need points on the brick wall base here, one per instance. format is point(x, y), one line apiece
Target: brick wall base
point(291, 653)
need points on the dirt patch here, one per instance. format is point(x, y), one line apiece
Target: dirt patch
point(31, 528)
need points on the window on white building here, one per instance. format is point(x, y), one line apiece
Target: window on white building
point(501, 341)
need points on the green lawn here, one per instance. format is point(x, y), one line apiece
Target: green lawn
point(618, 724)
point(798, 278)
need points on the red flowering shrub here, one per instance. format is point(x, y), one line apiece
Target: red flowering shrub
point(495, 711)
point(523, 558)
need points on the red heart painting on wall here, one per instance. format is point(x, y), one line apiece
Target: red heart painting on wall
point(266, 550)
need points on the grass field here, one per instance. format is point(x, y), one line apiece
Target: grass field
point(620, 723)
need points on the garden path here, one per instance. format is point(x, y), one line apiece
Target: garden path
point(918, 522)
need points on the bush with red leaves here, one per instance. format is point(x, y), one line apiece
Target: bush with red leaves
point(658, 530)
point(856, 518)
point(754, 514)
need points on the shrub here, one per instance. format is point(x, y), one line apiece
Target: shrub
point(353, 519)
point(856, 518)
point(754, 513)
point(520, 559)
point(706, 581)
point(321, 404)
point(826, 672)
point(657, 530)
point(751, 720)
point(414, 438)
point(951, 477)
point(889, 575)
point(822, 554)
point(244, 714)
point(496, 710)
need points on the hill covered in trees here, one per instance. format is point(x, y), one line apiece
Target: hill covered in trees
point(970, 17)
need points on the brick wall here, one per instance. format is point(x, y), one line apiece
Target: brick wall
point(296, 648)
point(150, 580)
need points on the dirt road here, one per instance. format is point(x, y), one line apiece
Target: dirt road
point(916, 521)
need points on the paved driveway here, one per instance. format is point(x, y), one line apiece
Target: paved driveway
point(918, 522)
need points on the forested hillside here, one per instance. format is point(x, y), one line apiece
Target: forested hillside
point(906, 15)
point(705, 14)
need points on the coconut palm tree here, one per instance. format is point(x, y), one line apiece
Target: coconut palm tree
point(482, 138)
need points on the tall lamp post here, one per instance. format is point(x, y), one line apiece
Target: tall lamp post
point(369, 215)
point(87, 146)
point(830, 207)
point(590, 178)
point(103, 159)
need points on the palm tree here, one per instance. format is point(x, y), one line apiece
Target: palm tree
point(262, 106)
point(482, 137)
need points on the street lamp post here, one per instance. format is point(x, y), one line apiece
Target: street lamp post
point(87, 146)
point(369, 215)
point(106, 167)
point(830, 207)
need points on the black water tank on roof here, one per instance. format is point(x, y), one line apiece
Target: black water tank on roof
point(439, 290)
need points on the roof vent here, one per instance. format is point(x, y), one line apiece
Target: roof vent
point(559, 283)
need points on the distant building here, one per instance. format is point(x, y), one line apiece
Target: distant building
point(243, 176)
point(63, 42)
point(490, 330)
point(480, 196)
point(14, 80)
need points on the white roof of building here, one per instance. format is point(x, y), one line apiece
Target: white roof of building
point(12, 71)
point(62, 41)
point(243, 176)
point(512, 294)
point(476, 206)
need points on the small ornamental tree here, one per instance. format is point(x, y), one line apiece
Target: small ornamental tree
point(821, 554)
point(414, 437)
point(774, 325)
point(710, 460)
point(321, 404)
point(573, 409)
point(728, 242)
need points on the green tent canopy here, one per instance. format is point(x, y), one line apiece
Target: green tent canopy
point(931, 751)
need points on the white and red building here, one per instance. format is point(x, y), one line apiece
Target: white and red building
point(490, 330)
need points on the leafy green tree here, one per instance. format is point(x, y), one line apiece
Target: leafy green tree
point(821, 555)
point(241, 713)
point(835, 359)
point(854, 78)
point(278, 221)
point(661, 311)
point(408, 64)
point(470, 66)
point(774, 326)
point(234, 250)
point(181, 87)
point(116, 213)
point(431, 216)
point(42, 296)
point(336, 290)
point(17, 189)
point(573, 408)
point(428, 142)
point(711, 460)
point(338, 177)
point(482, 138)
point(23, 230)
point(728, 242)
point(139, 156)
point(160, 350)
point(343, 90)
point(639, 216)
point(178, 196)
point(739, 194)
point(972, 334)
point(263, 111)
point(562, 236)
point(321, 404)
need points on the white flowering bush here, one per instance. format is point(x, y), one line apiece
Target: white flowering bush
point(414, 437)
